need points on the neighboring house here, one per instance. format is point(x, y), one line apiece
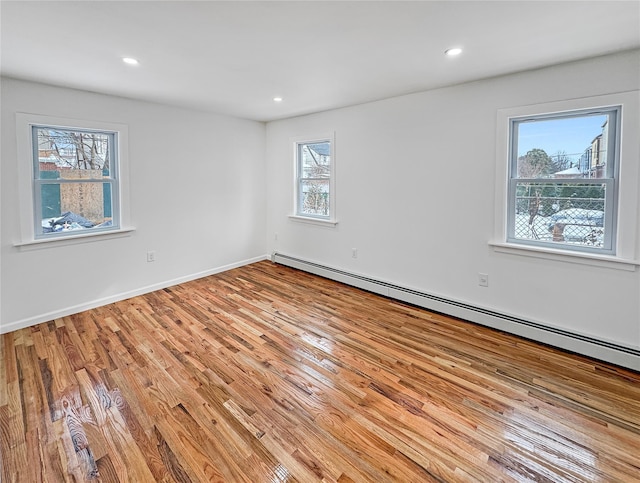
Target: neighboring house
point(89, 200)
point(593, 161)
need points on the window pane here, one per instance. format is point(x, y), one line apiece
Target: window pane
point(569, 147)
point(314, 197)
point(75, 206)
point(563, 213)
point(315, 160)
point(72, 154)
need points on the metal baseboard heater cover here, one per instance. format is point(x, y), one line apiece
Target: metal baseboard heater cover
point(603, 350)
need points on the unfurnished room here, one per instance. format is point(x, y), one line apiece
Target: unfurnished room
point(319, 241)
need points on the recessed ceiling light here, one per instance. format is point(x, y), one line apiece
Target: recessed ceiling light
point(130, 61)
point(277, 99)
point(453, 51)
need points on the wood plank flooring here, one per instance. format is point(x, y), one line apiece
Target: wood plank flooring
point(267, 374)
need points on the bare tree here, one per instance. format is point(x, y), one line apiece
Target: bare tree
point(561, 161)
point(534, 208)
point(75, 149)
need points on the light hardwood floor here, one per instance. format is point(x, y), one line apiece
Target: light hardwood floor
point(267, 374)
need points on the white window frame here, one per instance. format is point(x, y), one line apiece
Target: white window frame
point(611, 180)
point(297, 213)
point(28, 185)
point(624, 251)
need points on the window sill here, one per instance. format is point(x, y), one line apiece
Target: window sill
point(73, 239)
point(313, 221)
point(566, 256)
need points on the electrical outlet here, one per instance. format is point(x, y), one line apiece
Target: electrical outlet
point(275, 237)
point(151, 256)
point(354, 253)
point(483, 279)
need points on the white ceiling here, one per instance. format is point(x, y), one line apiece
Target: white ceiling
point(234, 57)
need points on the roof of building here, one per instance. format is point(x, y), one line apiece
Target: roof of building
point(323, 149)
point(569, 171)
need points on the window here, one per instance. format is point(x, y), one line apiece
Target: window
point(70, 178)
point(75, 180)
point(567, 180)
point(314, 190)
point(563, 180)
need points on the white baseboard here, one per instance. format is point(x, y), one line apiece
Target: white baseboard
point(609, 351)
point(28, 322)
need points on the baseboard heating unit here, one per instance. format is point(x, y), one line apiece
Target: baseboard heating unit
point(628, 357)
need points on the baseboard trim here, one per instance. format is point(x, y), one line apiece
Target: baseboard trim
point(608, 351)
point(28, 322)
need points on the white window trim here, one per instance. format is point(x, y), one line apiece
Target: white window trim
point(74, 239)
point(315, 220)
point(626, 256)
point(28, 238)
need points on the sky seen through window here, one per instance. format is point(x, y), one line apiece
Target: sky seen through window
point(572, 135)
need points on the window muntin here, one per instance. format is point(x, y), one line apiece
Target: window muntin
point(565, 198)
point(314, 179)
point(75, 181)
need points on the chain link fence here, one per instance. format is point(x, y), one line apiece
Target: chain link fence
point(564, 219)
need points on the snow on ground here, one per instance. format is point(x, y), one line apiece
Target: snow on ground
point(589, 234)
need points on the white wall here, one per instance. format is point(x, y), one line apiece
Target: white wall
point(197, 191)
point(415, 196)
point(199, 182)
